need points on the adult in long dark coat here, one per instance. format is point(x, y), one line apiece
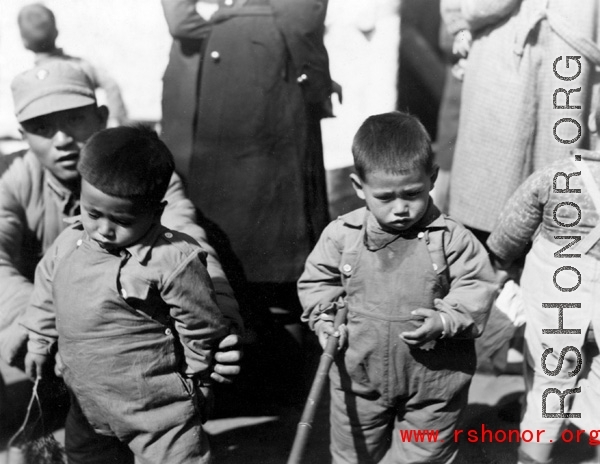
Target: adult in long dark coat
point(241, 104)
point(242, 100)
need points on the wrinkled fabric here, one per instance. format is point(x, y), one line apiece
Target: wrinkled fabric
point(533, 206)
point(132, 327)
point(33, 207)
point(458, 256)
point(506, 128)
point(242, 101)
point(538, 286)
point(382, 385)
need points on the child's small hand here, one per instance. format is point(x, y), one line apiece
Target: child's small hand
point(431, 329)
point(459, 69)
point(462, 43)
point(324, 329)
point(35, 365)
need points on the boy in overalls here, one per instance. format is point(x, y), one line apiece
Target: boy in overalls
point(418, 287)
point(131, 307)
point(558, 208)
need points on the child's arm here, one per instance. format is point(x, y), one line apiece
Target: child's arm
point(481, 13)
point(40, 318)
point(15, 288)
point(521, 217)
point(193, 308)
point(473, 284)
point(180, 215)
point(320, 286)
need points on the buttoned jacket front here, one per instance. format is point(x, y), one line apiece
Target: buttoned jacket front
point(461, 263)
point(132, 326)
point(33, 207)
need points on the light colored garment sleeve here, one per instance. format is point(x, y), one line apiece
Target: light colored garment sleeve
point(481, 13)
point(521, 217)
point(40, 318)
point(452, 16)
point(103, 80)
point(15, 288)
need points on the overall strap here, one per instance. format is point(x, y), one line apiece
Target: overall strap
point(587, 243)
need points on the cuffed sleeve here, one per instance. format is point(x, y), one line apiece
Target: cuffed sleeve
point(472, 284)
point(15, 287)
point(452, 16)
point(320, 285)
point(198, 320)
point(521, 216)
point(40, 318)
point(481, 13)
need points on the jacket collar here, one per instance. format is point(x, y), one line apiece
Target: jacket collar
point(138, 250)
point(141, 249)
point(432, 219)
point(41, 56)
point(59, 189)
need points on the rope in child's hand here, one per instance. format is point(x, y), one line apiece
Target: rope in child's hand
point(34, 398)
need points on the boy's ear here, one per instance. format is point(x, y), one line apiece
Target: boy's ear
point(433, 176)
point(357, 185)
point(102, 112)
point(159, 209)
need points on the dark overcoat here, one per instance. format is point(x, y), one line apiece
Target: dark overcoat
point(242, 100)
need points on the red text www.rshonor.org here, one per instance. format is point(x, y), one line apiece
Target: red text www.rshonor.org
point(486, 435)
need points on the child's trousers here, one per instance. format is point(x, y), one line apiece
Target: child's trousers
point(580, 297)
point(184, 444)
point(382, 387)
point(366, 427)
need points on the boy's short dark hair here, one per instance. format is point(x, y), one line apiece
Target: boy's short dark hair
point(37, 25)
point(393, 142)
point(128, 162)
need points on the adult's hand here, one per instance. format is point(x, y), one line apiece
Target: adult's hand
point(227, 359)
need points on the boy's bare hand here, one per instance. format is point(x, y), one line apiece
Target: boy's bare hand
point(431, 329)
point(227, 359)
point(462, 43)
point(35, 365)
point(324, 329)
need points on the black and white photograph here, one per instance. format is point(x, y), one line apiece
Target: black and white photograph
point(299, 231)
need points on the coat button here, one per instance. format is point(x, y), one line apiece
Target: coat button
point(124, 293)
point(79, 242)
point(215, 55)
point(421, 234)
point(168, 235)
point(347, 268)
point(167, 331)
point(302, 78)
point(435, 267)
